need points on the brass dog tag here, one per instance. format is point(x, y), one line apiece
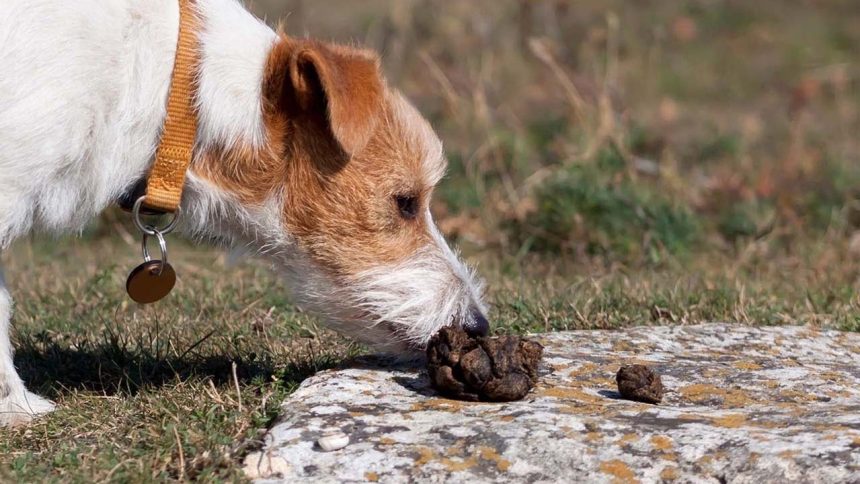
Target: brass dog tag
point(150, 281)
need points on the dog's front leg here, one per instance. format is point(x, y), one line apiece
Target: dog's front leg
point(17, 405)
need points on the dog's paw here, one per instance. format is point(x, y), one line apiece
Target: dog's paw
point(21, 408)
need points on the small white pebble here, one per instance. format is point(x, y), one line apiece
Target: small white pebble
point(334, 441)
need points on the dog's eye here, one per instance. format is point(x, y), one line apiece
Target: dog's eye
point(407, 205)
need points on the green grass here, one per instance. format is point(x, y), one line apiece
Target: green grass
point(599, 211)
point(135, 385)
point(706, 168)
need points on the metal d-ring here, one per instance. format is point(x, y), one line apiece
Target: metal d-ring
point(162, 245)
point(149, 229)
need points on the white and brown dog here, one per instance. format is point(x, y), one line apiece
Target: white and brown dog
point(302, 153)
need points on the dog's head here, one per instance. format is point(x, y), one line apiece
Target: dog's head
point(346, 175)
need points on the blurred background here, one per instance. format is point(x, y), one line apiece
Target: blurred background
point(598, 137)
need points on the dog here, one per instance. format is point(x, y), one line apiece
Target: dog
point(303, 153)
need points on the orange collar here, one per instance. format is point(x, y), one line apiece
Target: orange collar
point(167, 177)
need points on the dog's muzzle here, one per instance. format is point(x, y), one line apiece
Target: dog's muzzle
point(477, 325)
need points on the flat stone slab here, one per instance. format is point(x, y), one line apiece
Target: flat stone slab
point(743, 404)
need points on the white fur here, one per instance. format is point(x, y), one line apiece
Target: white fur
point(17, 405)
point(83, 88)
point(420, 133)
point(79, 105)
point(229, 88)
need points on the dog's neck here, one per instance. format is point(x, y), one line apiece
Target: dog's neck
point(234, 47)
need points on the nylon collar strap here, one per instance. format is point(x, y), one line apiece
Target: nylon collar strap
point(167, 177)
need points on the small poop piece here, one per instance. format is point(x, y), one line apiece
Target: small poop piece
point(499, 369)
point(640, 383)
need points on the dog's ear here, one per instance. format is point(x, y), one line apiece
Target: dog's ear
point(339, 86)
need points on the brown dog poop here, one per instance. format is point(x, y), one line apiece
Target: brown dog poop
point(640, 383)
point(499, 369)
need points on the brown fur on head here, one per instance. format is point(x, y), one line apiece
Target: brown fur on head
point(353, 167)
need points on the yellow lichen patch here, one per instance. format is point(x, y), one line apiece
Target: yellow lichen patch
point(626, 439)
point(587, 409)
point(582, 369)
point(620, 471)
point(491, 454)
point(832, 428)
point(442, 404)
point(791, 408)
point(837, 393)
point(707, 460)
point(453, 463)
point(387, 441)
point(661, 442)
point(737, 398)
point(833, 376)
point(601, 382)
point(731, 421)
point(356, 414)
point(593, 436)
point(623, 345)
point(459, 465)
point(568, 393)
point(714, 372)
point(798, 396)
point(770, 383)
point(700, 392)
point(456, 448)
point(669, 473)
point(638, 361)
point(425, 455)
point(371, 476)
point(769, 424)
point(507, 418)
point(747, 365)
point(856, 441)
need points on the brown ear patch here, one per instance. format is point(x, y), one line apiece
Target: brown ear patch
point(339, 148)
point(319, 99)
point(341, 86)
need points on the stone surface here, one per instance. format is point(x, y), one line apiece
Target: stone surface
point(742, 404)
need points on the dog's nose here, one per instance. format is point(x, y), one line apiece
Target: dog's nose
point(477, 324)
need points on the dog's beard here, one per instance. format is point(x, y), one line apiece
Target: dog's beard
point(395, 308)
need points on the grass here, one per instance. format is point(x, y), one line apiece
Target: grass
point(596, 210)
point(203, 372)
point(610, 166)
